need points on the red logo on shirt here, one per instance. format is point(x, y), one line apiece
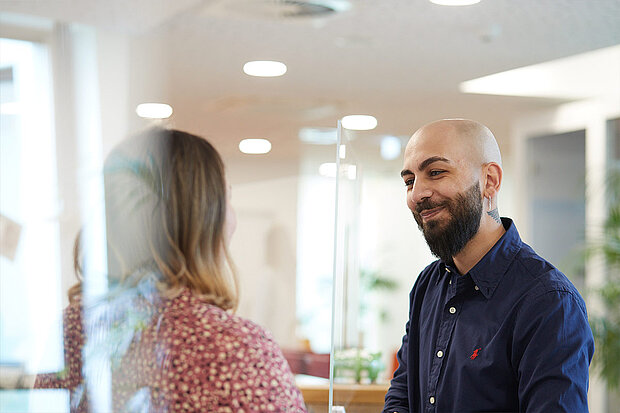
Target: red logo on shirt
point(475, 353)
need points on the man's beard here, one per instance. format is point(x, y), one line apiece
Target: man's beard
point(446, 239)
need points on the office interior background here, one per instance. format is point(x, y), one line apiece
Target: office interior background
point(544, 75)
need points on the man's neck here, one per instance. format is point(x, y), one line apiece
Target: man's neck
point(478, 246)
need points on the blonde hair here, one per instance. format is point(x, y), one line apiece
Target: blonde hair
point(75, 291)
point(166, 202)
point(193, 252)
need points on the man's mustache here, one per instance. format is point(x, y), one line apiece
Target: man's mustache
point(428, 204)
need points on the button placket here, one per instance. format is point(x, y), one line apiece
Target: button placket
point(443, 339)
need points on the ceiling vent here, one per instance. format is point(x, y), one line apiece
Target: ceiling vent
point(281, 9)
point(293, 8)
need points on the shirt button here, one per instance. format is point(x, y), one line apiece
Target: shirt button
point(440, 354)
point(476, 288)
point(432, 400)
point(452, 310)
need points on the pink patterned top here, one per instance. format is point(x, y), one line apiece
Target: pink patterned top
point(194, 357)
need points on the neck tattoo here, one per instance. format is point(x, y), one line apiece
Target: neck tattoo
point(495, 215)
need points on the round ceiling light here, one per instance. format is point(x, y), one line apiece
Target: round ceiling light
point(359, 122)
point(390, 147)
point(328, 169)
point(154, 110)
point(255, 146)
point(455, 2)
point(264, 68)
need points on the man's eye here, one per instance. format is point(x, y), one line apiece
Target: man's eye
point(435, 173)
point(409, 182)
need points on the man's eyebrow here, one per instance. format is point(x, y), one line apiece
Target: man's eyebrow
point(425, 164)
point(431, 160)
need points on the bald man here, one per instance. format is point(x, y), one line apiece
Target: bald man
point(492, 326)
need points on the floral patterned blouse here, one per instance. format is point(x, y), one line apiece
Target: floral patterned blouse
point(192, 357)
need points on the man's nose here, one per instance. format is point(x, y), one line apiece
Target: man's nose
point(419, 192)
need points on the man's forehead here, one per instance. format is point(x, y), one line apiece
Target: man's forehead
point(441, 139)
point(418, 150)
point(438, 134)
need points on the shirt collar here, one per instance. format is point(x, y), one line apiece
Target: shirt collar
point(488, 272)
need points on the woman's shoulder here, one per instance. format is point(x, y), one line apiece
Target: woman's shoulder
point(187, 310)
point(234, 359)
point(73, 311)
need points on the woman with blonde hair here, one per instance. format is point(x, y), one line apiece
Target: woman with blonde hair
point(168, 325)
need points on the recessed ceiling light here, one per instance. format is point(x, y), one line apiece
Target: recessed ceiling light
point(390, 147)
point(359, 122)
point(455, 2)
point(264, 68)
point(154, 110)
point(255, 146)
point(328, 169)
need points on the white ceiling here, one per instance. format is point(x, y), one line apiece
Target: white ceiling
point(400, 60)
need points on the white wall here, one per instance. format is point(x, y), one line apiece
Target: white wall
point(264, 250)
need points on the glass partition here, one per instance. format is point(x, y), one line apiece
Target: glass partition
point(368, 296)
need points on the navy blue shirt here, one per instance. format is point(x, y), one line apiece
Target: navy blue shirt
point(511, 335)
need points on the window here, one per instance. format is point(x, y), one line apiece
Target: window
point(30, 297)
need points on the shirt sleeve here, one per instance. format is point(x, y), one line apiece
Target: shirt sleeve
point(552, 350)
point(73, 338)
point(396, 399)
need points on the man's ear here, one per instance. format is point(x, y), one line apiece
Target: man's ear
point(492, 174)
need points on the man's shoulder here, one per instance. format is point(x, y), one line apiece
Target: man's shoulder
point(540, 276)
point(430, 271)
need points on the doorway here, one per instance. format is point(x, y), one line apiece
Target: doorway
point(556, 200)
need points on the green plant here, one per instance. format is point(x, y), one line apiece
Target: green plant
point(374, 281)
point(357, 364)
point(606, 329)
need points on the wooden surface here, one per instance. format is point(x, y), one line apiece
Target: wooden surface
point(356, 398)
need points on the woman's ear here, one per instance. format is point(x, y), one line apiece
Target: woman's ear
point(492, 174)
